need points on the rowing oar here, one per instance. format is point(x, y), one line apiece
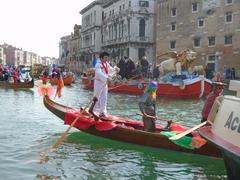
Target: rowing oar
point(155, 117)
point(210, 119)
point(59, 141)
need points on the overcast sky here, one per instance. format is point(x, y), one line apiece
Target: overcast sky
point(38, 25)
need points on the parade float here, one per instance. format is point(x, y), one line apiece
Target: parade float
point(224, 131)
point(178, 78)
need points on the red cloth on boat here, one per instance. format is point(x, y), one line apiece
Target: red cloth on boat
point(179, 128)
point(84, 121)
point(198, 142)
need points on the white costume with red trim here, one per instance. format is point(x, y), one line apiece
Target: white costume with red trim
point(103, 70)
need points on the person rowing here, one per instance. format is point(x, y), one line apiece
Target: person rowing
point(103, 72)
point(147, 105)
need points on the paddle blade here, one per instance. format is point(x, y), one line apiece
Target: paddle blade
point(178, 136)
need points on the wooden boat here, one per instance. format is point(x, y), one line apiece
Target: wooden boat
point(225, 131)
point(68, 80)
point(18, 85)
point(125, 130)
point(191, 88)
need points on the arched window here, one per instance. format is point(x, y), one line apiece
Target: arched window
point(142, 28)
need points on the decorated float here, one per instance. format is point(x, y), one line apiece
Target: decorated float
point(178, 78)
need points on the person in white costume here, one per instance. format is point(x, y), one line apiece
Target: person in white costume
point(103, 73)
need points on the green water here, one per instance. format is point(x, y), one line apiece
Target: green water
point(28, 129)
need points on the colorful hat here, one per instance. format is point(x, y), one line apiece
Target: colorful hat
point(152, 86)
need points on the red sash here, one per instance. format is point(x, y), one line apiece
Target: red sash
point(105, 66)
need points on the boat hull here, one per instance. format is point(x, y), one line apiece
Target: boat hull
point(135, 136)
point(192, 89)
point(19, 85)
point(67, 80)
point(231, 153)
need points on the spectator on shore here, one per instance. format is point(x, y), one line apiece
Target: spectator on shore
point(122, 65)
point(130, 68)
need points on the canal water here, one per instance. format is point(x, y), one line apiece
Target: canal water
point(27, 129)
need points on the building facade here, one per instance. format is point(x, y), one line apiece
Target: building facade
point(127, 29)
point(211, 28)
point(2, 56)
point(91, 42)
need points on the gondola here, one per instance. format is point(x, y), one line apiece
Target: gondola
point(17, 85)
point(125, 130)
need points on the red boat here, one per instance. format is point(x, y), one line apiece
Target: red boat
point(68, 80)
point(190, 88)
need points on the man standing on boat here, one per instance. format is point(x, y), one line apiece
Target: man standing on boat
point(216, 92)
point(103, 73)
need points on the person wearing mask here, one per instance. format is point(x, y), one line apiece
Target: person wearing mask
point(216, 92)
point(103, 74)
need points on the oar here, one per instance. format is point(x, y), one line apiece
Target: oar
point(155, 117)
point(180, 135)
point(59, 141)
point(210, 119)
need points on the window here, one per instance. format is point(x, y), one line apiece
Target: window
point(201, 22)
point(129, 4)
point(211, 58)
point(227, 2)
point(228, 40)
point(172, 44)
point(173, 26)
point(174, 12)
point(211, 41)
point(141, 52)
point(143, 3)
point(197, 42)
point(142, 28)
point(194, 7)
point(228, 17)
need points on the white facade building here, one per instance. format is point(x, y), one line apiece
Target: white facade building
point(91, 31)
point(128, 29)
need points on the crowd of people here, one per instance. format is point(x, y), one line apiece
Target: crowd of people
point(14, 74)
point(130, 70)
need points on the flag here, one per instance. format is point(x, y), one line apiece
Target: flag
point(60, 85)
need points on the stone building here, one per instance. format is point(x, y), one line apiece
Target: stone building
point(91, 31)
point(2, 56)
point(64, 49)
point(210, 27)
point(127, 29)
point(74, 63)
point(14, 56)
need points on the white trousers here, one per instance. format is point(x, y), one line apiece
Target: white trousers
point(101, 105)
